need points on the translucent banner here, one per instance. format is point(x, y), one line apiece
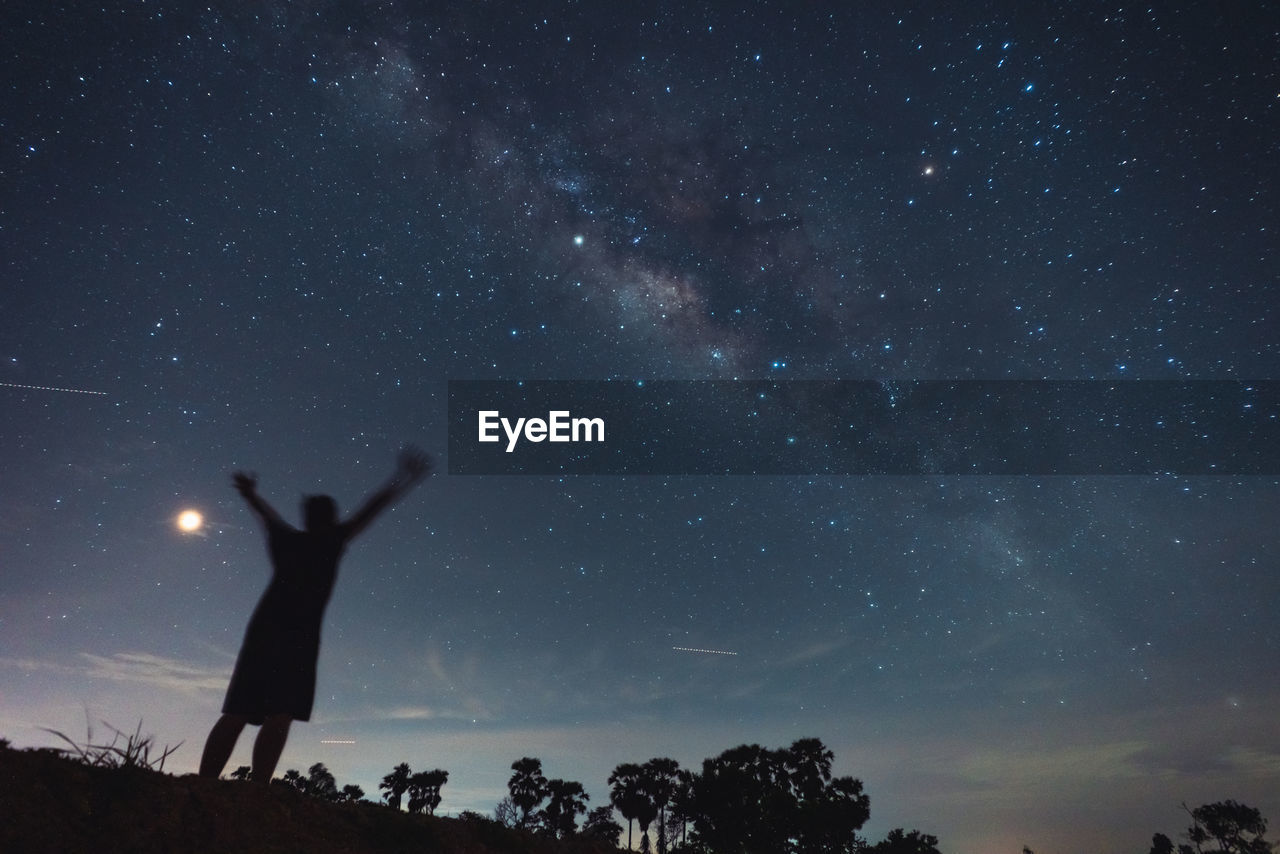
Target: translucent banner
point(931, 427)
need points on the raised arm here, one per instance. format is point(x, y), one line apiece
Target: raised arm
point(411, 468)
point(246, 483)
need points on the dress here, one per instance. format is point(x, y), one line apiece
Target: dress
point(275, 672)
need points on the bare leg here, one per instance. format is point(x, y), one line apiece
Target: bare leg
point(269, 745)
point(222, 740)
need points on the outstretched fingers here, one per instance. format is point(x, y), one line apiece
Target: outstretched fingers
point(414, 464)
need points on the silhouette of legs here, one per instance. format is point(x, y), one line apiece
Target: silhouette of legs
point(222, 740)
point(269, 745)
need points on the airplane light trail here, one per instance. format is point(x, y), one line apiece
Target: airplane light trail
point(707, 651)
point(337, 741)
point(52, 388)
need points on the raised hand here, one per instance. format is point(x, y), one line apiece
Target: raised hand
point(246, 483)
point(413, 465)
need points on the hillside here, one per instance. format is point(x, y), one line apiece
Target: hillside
point(51, 804)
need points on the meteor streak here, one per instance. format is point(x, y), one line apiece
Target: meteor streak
point(52, 388)
point(706, 651)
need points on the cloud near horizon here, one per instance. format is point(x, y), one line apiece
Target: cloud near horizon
point(138, 667)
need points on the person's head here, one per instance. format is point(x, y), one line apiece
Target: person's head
point(319, 512)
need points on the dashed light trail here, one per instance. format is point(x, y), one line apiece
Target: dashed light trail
point(706, 651)
point(52, 388)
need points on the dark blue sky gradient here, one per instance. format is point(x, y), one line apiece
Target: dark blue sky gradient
point(270, 235)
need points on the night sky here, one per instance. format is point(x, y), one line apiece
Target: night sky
point(266, 238)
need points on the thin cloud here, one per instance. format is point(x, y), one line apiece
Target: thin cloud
point(136, 667)
point(813, 652)
point(475, 711)
point(157, 670)
point(1254, 763)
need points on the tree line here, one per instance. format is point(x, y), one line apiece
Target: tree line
point(422, 788)
point(747, 800)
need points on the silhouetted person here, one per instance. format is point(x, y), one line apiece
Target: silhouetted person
point(274, 682)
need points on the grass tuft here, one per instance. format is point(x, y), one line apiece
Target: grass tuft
point(134, 752)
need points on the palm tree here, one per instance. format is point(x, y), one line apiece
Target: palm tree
point(646, 810)
point(424, 790)
point(624, 793)
point(660, 779)
point(527, 786)
point(395, 785)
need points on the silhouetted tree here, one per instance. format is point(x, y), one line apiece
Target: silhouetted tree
point(756, 801)
point(241, 773)
point(294, 779)
point(900, 842)
point(1231, 827)
point(739, 797)
point(505, 813)
point(624, 793)
point(808, 766)
point(527, 786)
point(646, 806)
point(395, 785)
point(320, 783)
point(829, 821)
point(681, 806)
point(566, 801)
point(661, 777)
point(424, 790)
point(828, 812)
point(350, 793)
point(600, 825)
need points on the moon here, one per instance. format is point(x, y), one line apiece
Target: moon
point(190, 521)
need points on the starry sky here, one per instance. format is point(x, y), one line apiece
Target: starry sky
point(266, 235)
